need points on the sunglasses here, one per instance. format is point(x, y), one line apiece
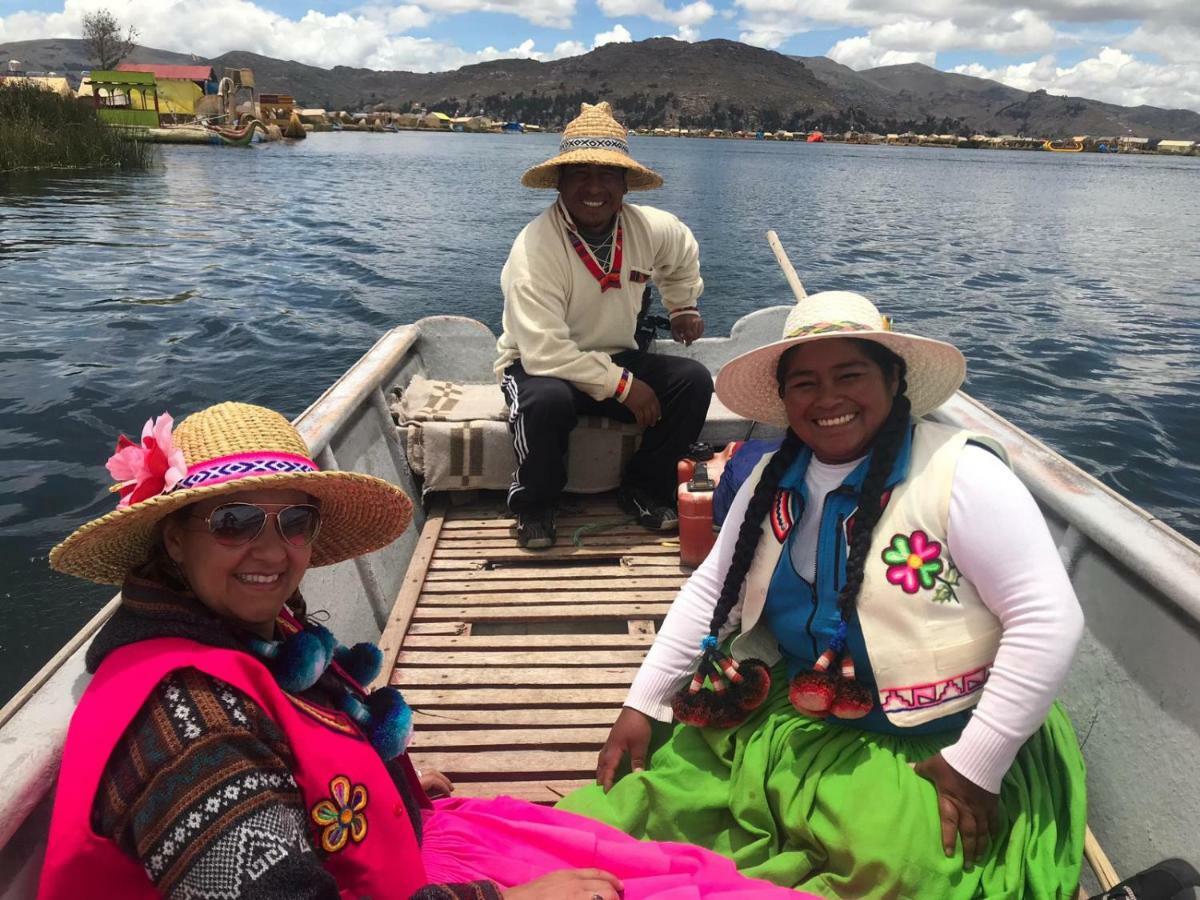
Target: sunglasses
point(234, 524)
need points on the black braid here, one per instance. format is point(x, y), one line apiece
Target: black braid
point(887, 444)
point(751, 530)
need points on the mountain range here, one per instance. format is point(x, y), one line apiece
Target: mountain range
point(663, 82)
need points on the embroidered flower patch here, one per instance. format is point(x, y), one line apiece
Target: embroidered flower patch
point(915, 562)
point(344, 817)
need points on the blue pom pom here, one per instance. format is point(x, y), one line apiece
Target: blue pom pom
point(710, 642)
point(299, 661)
point(362, 662)
point(325, 636)
point(391, 722)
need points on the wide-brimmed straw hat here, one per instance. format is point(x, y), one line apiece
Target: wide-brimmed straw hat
point(593, 138)
point(226, 448)
point(747, 385)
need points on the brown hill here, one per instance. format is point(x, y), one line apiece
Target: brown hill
point(664, 82)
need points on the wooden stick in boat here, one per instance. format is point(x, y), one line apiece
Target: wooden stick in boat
point(789, 273)
point(1099, 862)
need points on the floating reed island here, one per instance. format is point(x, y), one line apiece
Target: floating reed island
point(40, 130)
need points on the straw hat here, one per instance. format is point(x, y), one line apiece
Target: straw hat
point(747, 385)
point(226, 448)
point(593, 138)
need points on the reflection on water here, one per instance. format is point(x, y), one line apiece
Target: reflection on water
point(260, 275)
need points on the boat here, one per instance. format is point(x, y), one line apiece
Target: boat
point(1063, 146)
point(815, 138)
point(196, 133)
point(516, 662)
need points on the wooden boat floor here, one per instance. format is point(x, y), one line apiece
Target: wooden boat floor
point(516, 662)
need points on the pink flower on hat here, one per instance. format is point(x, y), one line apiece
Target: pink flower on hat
point(149, 469)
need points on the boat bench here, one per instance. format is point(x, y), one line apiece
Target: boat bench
point(456, 438)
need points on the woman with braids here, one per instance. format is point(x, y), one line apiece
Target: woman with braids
point(882, 628)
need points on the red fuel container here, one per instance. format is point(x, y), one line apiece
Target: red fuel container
point(697, 481)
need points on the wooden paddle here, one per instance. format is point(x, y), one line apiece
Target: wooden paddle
point(789, 273)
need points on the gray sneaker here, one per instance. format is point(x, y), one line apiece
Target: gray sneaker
point(650, 513)
point(535, 529)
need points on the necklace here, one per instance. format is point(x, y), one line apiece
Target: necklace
point(602, 249)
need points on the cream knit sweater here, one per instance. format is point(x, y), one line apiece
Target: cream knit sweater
point(556, 319)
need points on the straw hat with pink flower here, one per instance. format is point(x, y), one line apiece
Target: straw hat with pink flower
point(223, 449)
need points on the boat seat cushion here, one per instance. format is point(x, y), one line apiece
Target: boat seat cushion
point(456, 438)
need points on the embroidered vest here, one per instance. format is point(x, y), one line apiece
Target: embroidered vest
point(355, 812)
point(930, 638)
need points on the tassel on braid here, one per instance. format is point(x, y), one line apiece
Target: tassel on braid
point(750, 679)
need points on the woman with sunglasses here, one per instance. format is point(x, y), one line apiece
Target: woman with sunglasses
point(225, 746)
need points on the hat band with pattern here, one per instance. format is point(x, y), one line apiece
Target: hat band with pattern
point(593, 143)
point(832, 327)
point(212, 472)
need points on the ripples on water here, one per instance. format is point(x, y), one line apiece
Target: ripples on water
point(260, 275)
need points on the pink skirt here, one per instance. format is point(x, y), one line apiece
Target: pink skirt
point(511, 842)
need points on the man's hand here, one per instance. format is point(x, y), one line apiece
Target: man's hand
point(630, 734)
point(643, 403)
point(434, 783)
point(685, 329)
point(964, 807)
point(569, 884)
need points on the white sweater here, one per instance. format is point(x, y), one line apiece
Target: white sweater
point(556, 319)
point(999, 541)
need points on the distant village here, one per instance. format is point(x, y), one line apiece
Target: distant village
point(162, 97)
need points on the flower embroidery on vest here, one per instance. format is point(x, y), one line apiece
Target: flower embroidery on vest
point(915, 562)
point(344, 817)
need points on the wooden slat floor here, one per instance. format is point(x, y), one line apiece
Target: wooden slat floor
point(517, 661)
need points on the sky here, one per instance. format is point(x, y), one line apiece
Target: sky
point(1119, 51)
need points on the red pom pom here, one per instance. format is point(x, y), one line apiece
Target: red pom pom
point(752, 690)
point(812, 693)
point(853, 700)
point(693, 708)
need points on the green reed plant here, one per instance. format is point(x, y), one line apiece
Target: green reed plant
point(40, 129)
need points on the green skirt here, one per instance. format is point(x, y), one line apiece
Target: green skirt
point(839, 812)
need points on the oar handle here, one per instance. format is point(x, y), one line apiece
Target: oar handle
point(789, 273)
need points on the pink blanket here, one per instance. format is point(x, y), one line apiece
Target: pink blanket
point(512, 842)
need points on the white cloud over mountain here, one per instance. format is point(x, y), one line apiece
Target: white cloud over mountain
point(1131, 53)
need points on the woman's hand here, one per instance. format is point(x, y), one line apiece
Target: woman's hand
point(964, 807)
point(569, 884)
point(630, 734)
point(434, 783)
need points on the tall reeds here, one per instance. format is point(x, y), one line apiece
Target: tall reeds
point(40, 129)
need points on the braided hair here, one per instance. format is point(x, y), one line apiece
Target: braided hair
point(884, 448)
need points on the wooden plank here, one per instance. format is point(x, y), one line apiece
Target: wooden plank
point(502, 597)
point(564, 658)
point(510, 698)
point(531, 763)
point(1099, 862)
point(564, 582)
point(449, 719)
point(561, 573)
point(516, 676)
point(437, 628)
point(541, 791)
point(572, 613)
point(642, 626)
point(507, 738)
point(474, 642)
point(629, 562)
point(478, 541)
point(558, 551)
point(406, 601)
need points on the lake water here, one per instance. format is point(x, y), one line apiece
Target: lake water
point(1070, 282)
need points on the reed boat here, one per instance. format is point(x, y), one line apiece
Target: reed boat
point(1063, 146)
point(517, 662)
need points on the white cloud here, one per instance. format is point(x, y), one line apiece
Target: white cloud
point(1112, 75)
point(371, 36)
point(619, 35)
point(690, 14)
point(687, 33)
point(860, 53)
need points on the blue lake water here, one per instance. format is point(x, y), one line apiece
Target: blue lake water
point(1070, 282)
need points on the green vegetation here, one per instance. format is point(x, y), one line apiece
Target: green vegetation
point(43, 130)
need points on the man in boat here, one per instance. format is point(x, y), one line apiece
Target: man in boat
point(573, 286)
